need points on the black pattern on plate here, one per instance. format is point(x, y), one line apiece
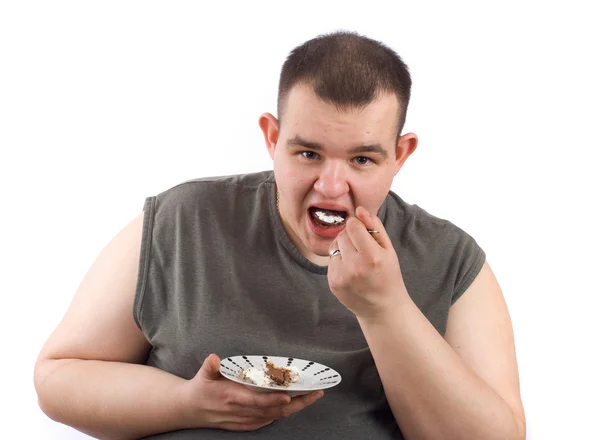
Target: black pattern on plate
point(310, 364)
point(226, 367)
point(233, 362)
point(247, 361)
point(330, 377)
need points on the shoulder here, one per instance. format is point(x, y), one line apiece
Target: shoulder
point(212, 192)
point(414, 222)
point(432, 245)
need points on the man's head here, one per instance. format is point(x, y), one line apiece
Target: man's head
point(336, 144)
point(346, 70)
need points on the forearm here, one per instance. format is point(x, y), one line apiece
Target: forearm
point(111, 400)
point(431, 391)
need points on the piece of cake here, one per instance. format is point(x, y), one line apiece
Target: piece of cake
point(282, 376)
point(270, 375)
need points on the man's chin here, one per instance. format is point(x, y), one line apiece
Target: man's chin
point(318, 246)
point(320, 250)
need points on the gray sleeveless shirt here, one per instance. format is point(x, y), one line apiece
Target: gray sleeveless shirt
point(218, 273)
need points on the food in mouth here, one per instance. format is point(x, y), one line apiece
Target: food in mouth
point(270, 375)
point(327, 218)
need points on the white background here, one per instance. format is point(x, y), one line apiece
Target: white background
point(105, 103)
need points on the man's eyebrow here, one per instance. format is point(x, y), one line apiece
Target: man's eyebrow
point(297, 140)
point(374, 148)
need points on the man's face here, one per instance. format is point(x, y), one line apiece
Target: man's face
point(328, 162)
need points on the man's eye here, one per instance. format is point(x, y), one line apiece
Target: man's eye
point(309, 154)
point(362, 160)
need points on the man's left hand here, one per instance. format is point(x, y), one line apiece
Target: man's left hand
point(366, 275)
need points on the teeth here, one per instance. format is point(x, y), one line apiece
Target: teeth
point(329, 219)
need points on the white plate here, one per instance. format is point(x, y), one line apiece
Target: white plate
point(313, 376)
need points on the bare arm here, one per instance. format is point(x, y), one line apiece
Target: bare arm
point(90, 373)
point(463, 387)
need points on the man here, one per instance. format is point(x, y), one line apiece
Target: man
point(316, 260)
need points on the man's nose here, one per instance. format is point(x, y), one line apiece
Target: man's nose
point(332, 180)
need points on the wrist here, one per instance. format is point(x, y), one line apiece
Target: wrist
point(388, 314)
point(189, 406)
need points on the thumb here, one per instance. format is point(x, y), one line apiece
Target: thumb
point(210, 367)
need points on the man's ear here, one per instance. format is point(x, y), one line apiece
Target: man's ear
point(407, 144)
point(269, 126)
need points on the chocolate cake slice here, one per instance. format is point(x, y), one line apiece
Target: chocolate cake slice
point(281, 376)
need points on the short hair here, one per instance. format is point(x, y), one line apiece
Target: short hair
point(347, 70)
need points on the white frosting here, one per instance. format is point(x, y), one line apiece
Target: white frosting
point(326, 218)
point(294, 374)
point(260, 378)
point(257, 376)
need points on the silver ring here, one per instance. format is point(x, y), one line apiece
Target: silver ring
point(372, 231)
point(334, 253)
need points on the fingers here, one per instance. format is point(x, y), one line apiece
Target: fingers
point(297, 404)
point(333, 246)
point(247, 398)
point(242, 409)
point(354, 240)
point(369, 222)
point(301, 402)
point(357, 234)
point(247, 425)
point(210, 367)
point(363, 235)
point(345, 245)
point(228, 405)
point(277, 412)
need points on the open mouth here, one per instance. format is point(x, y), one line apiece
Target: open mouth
point(327, 218)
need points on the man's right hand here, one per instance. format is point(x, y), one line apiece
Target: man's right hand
point(216, 402)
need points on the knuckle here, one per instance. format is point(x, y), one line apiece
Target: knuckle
point(356, 274)
point(231, 397)
point(228, 397)
point(276, 413)
point(335, 281)
point(334, 284)
point(252, 400)
point(286, 411)
point(376, 262)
